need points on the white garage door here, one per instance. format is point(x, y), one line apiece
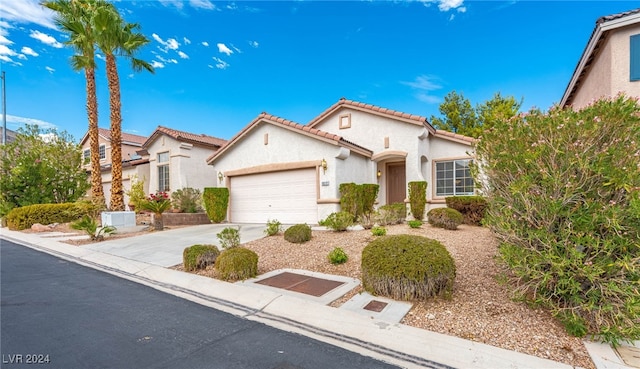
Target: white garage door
point(288, 196)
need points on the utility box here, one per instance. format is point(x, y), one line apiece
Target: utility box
point(119, 219)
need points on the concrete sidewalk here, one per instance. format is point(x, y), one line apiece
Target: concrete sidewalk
point(394, 343)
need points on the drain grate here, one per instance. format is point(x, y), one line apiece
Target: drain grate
point(301, 283)
point(376, 306)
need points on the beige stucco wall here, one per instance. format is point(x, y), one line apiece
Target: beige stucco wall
point(187, 164)
point(610, 70)
point(128, 174)
point(127, 151)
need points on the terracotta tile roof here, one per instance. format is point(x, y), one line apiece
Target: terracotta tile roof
point(286, 123)
point(604, 25)
point(454, 136)
point(410, 118)
point(126, 137)
point(186, 136)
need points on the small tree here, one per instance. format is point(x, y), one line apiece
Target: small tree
point(40, 167)
point(418, 198)
point(216, 202)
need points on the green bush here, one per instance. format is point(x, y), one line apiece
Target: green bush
point(187, 200)
point(236, 263)
point(446, 218)
point(136, 193)
point(405, 267)
point(89, 206)
point(378, 231)
point(273, 227)
point(358, 200)
point(391, 214)
point(415, 223)
point(563, 189)
point(337, 256)
point(349, 198)
point(216, 202)
point(339, 222)
point(367, 200)
point(298, 233)
point(229, 237)
point(472, 208)
point(417, 198)
point(26, 216)
point(90, 226)
point(199, 256)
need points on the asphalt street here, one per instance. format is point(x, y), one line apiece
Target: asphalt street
point(58, 314)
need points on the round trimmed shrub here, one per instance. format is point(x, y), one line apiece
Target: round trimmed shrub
point(237, 263)
point(199, 256)
point(339, 222)
point(406, 267)
point(446, 218)
point(337, 256)
point(298, 233)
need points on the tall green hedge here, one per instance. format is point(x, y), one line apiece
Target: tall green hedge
point(358, 199)
point(563, 189)
point(216, 203)
point(418, 198)
point(26, 216)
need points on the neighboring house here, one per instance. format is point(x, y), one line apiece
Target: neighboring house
point(167, 160)
point(10, 135)
point(177, 159)
point(610, 63)
point(278, 169)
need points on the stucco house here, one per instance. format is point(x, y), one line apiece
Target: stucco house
point(167, 160)
point(610, 63)
point(278, 169)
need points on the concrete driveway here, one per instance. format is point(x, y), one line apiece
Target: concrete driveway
point(164, 248)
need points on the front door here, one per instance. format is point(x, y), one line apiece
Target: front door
point(396, 183)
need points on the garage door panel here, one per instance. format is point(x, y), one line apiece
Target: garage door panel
point(288, 196)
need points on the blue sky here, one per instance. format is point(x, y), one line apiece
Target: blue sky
point(220, 64)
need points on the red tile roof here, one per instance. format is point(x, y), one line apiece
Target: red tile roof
point(131, 139)
point(454, 136)
point(409, 118)
point(186, 136)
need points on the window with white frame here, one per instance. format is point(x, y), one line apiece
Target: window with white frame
point(453, 178)
point(163, 171)
point(102, 151)
point(86, 156)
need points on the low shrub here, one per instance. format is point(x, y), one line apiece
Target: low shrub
point(229, 237)
point(472, 208)
point(391, 214)
point(446, 218)
point(339, 222)
point(199, 256)
point(236, 263)
point(298, 233)
point(187, 200)
point(273, 227)
point(415, 223)
point(216, 202)
point(337, 256)
point(26, 216)
point(405, 267)
point(378, 231)
point(90, 226)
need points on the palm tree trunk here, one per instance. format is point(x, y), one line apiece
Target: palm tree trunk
point(115, 106)
point(97, 193)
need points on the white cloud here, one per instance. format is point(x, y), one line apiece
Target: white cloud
point(51, 70)
point(424, 82)
point(27, 11)
point(7, 59)
point(22, 56)
point(429, 99)
point(28, 51)
point(23, 121)
point(236, 49)
point(156, 64)
point(4, 50)
point(221, 64)
point(177, 3)
point(46, 39)
point(186, 41)
point(169, 44)
point(254, 43)
point(183, 55)
point(202, 4)
point(5, 41)
point(205, 43)
point(224, 49)
point(101, 57)
point(172, 61)
point(446, 5)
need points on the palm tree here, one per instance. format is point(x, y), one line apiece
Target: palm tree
point(117, 38)
point(74, 17)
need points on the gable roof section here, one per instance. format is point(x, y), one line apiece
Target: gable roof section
point(200, 139)
point(127, 138)
point(454, 137)
point(598, 37)
point(368, 108)
point(265, 118)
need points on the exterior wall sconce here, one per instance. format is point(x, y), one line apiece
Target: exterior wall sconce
point(220, 177)
point(379, 174)
point(323, 163)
